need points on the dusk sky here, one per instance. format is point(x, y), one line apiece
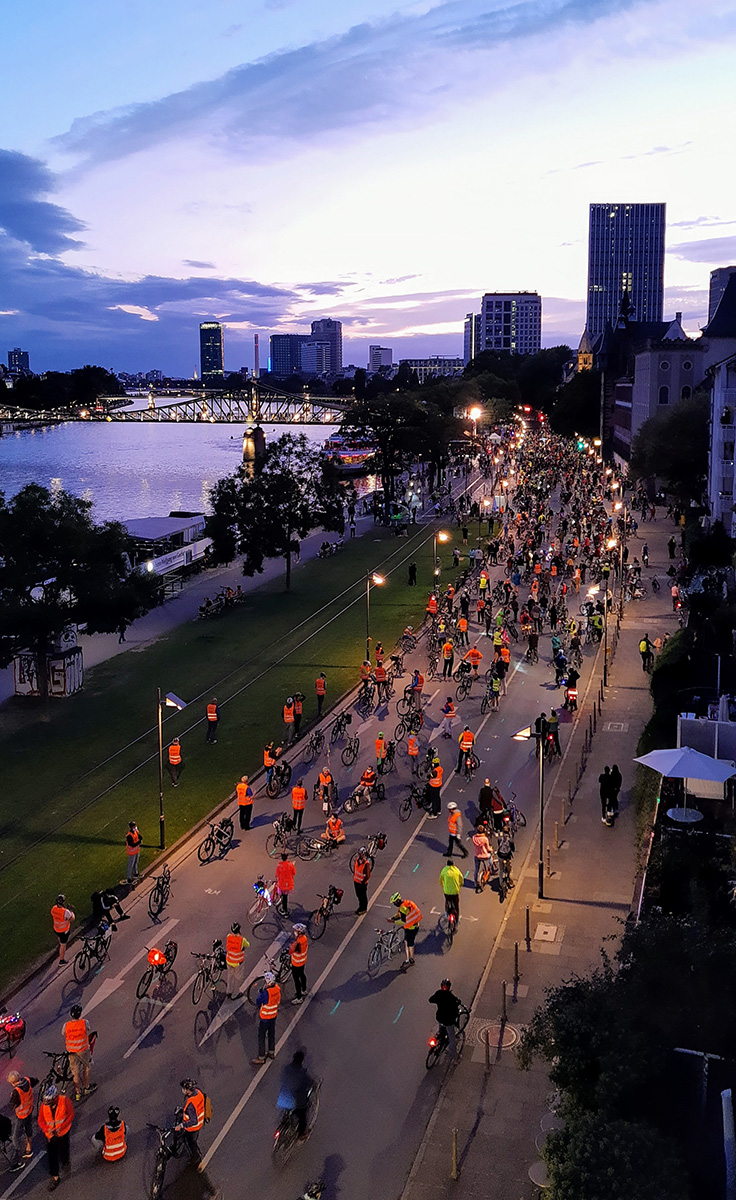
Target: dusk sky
point(378, 161)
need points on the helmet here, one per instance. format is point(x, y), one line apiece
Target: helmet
point(290, 700)
point(235, 928)
point(446, 983)
point(300, 927)
point(362, 850)
point(60, 899)
point(217, 944)
point(269, 978)
point(396, 898)
point(113, 1115)
point(380, 737)
point(451, 805)
point(50, 1093)
point(76, 1012)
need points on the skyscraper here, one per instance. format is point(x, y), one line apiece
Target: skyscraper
point(471, 337)
point(211, 356)
point(285, 357)
point(511, 322)
point(379, 356)
point(18, 362)
point(327, 330)
point(625, 254)
point(718, 280)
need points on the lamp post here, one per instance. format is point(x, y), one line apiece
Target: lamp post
point(371, 578)
point(440, 536)
point(169, 701)
point(620, 506)
point(475, 414)
point(528, 734)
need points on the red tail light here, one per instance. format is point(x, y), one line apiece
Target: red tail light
point(433, 1041)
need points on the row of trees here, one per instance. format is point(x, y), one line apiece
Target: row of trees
point(57, 389)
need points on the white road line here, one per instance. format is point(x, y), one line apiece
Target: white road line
point(258, 969)
point(22, 1175)
point(160, 1017)
point(108, 986)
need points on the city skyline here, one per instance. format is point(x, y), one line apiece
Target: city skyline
point(152, 193)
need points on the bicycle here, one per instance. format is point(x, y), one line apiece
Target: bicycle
point(408, 642)
point(314, 745)
point(95, 949)
point(160, 893)
point(487, 701)
point(170, 1143)
point(471, 763)
point(415, 798)
point(317, 921)
point(209, 972)
point(59, 1074)
point(363, 795)
point(389, 758)
point(514, 816)
point(280, 779)
point(505, 882)
point(448, 924)
point(160, 963)
point(265, 900)
point(439, 1041)
point(350, 750)
point(339, 725)
point(424, 768)
point(283, 837)
point(411, 723)
point(287, 1134)
point(281, 970)
point(406, 704)
point(388, 943)
point(218, 840)
point(433, 663)
point(12, 1032)
point(464, 688)
point(364, 701)
point(377, 841)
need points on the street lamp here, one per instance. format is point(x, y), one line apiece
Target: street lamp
point(527, 734)
point(485, 504)
point(618, 506)
point(376, 580)
point(436, 564)
point(169, 701)
point(475, 414)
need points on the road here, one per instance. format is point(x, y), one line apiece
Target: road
point(367, 1038)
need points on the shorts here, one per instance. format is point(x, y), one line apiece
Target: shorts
point(410, 936)
point(63, 938)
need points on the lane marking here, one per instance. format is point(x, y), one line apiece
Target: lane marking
point(334, 1010)
point(32, 1162)
point(398, 1014)
point(257, 970)
point(108, 986)
point(160, 1017)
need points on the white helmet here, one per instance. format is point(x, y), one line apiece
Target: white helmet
point(452, 805)
point(300, 928)
point(269, 978)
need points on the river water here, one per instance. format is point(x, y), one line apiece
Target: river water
point(132, 470)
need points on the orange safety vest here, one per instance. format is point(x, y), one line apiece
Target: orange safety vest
point(55, 1122)
point(298, 707)
point(25, 1108)
point(463, 624)
point(325, 778)
point(453, 823)
point(268, 759)
point(410, 914)
point(362, 871)
point(474, 656)
point(197, 1103)
point(436, 779)
point(174, 754)
point(321, 686)
point(133, 840)
point(115, 1143)
point(241, 791)
point(412, 746)
point(268, 1011)
point(466, 739)
point(365, 671)
point(288, 714)
point(481, 604)
point(432, 605)
point(537, 568)
point(419, 683)
point(380, 748)
point(298, 797)
point(505, 654)
point(334, 827)
point(448, 650)
point(298, 951)
point(61, 923)
point(235, 949)
point(380, 673)
point(211, 712)
point(76, 1034)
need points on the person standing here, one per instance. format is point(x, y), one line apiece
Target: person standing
point(616, 784)
point(646, 651)
point(55, 1118)
point(235, 948)
point(448, 717)
point(448, 658)
point(380, 748)
point(192, 1119)
point(78, 1044)
point(213, 720)
point(244, 793)
point(466, 741)
point(675, 594)
point(409, 915)
point(454, 830)
point(412, 574)
point(298, 958)
point(485, 799)
point(62, 918)
point(320, 687)
point(483, 858)
point(361, 875)
point(133, 841)
point(298, 801)
point(268, 1000)
point(299, 699)
point(289, 721)
point(451, 882)
point(672, 546)
point(412, 749)
point(285, 876)
point(435, 789)
point(21, 1102)
point(605, 791)
point(175, 763)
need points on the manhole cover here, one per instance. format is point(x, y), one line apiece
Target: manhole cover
point(616, 726)
point(498, 1035)
point(545, 933)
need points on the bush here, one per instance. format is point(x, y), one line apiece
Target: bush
point(595, 1158)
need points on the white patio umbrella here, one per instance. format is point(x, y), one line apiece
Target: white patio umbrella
point(683, 762)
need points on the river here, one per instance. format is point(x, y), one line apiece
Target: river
point(133, 470)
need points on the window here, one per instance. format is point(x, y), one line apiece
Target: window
point(686, 393)
point(664, 365)
point(664, 395)
point(687, 365)
point(728, 451)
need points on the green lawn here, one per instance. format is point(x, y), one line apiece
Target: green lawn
point(77, 770)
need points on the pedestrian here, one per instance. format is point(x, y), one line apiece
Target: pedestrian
point(111, 1137)
point(454, 830)
point(646, 651)
point(605, 790)
point(412, 749)
point(244, 793)
point(121, 631)
point(448, 717)
point(320, 686)
point(672, 546)
point(77, 1043)
point(451, 882)
point(299, 699)
point(55, 1118)
point(268, 1000)
point(133, 841)
point(675, 594)
point(62, 918)
point(192, 1119)
point(21, 1103)
point(380, 747)
point(448, 658)
point(297, 546)
point(175, 762)
point(289, 720)
point(409, 916)
point(434, 787)
point(412, 574)
point(361, 875)
point(298, 801)
point(213, 720)
point(235, 948)
point(352, 529)
point(298, 958)
point(285, 876)
point(616, 784)
point(465, 535)
point(466, 740)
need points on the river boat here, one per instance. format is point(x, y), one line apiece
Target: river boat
point(351, 456)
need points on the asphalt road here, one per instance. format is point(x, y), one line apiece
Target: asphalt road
point(366, 1038)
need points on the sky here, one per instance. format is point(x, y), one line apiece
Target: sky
point(268, 162)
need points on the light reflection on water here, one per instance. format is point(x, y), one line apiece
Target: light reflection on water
point(133, 470)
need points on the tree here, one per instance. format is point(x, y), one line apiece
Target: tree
point(75, 389)
point(57, 568)
point(673, 447)
point(393, 422)
point(261, 514)
point(595, 1158)
point(540, 375)
point(577, 406)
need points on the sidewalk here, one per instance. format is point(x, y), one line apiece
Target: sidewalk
point(502, 1114)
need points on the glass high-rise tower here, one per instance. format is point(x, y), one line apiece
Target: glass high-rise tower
point(212, 364)
point(625, 254)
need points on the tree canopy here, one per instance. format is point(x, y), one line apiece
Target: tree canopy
point(56, 389)
point(261, 513)
point(673, 447)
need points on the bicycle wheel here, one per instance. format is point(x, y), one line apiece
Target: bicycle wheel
point(484, 706)
point(285, 775)
point(424, 771)
point(316, 924)
point(337, 731)
point(144, 983)
point(396, 942)
point(463, 1017)
point(273, 844)
point(215, 976)
point(310, 750)
point(156, 901)
point(82, 966)
point(157, 1183)
point(172, 949)
point(198, 986)
point(375, 958)
point(433, 1054)
point(460, 1041)
point(254, 988)
point(400, 732)
point(350, 804)
point(403, 706)
point(462, 690)
point(257, 910)
point(206, 850)
point(389, 761)
point(520, 819)
point(313, 1106)
point(319, 742)
point(405, 809)
point(350, 753)
point(273, 787)
point(284, 1139)
point(353, 860)
point(307, 848)
point(381, 791)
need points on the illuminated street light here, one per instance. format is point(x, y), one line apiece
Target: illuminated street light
point(527, 734)
point(372, 577)
point(169, 701)
point(440, 536)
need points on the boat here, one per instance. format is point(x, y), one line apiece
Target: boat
point(351, 456)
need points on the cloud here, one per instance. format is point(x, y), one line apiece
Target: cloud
point(26, 217)
point(399, 279)
point(135, 310)
point(199, 266)
point(717, 251)
point(699, 223)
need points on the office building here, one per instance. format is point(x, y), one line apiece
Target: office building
point(379, 356)
point(437, 366)
point(327, 330)
point(315, 357)
point(718, 280)
point(471, 337)
point(211, 354)
point(510, 322)
point(18, 362)
point(625, 255)
point(286, 354)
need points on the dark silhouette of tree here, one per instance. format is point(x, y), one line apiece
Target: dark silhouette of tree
point(673, 447)
point(576, 406)
point(74, 389)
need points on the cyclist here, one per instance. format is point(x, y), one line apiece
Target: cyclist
point(285, 876)
point(448, 1012)
point(448, 717)
point(410, 916)
point(366, 672)
point(334, 830)
point(62, 918)
point(483, 857)
point(506, 848)
point(298, 958)
point(412, 749)
point(474, 657)
point(434, 789)
point(296, 1084)
point(235, 948)
point(466, 740)
point(380, 748)
point(416, 685)
point(326, 785)
point(454, 830)
point(55, 1117)
point(366, 784)
point(111, 1137)
point(244, 793)
point(451, 882)
point(78, 1043)
point(553, 727)
point(498, 810)
point(298, 802)
point(381, 680)
point(361, 875)
point(560, 663)
point(268, 1000)
point(21, 1102)
point(192, 1119)
point(270, 754)
point(289, 729)
point(448, 658)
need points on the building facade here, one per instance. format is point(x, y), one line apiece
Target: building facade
point(437, 366)
point(18, 362)
point(718, 281)
point(471, 337)
point(721, 495)
point(315, 357)
point(211, 354)
point(330, 331)
point(379, 356)
point(286, 354)
point(510, 322)
point(625, 255)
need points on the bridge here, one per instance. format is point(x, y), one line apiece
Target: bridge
point(256, 404)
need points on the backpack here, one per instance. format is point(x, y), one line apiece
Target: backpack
point(207, 1109)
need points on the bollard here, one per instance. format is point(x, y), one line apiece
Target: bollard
point(455, 1173)
point(595, 720)
point(504, 1015)
point(527, 935)
point(487, 1044)
point(517, 973)
point(569, 792)
point(590, 727)
point(549, 863)
point(557, 836)
point(563, 811)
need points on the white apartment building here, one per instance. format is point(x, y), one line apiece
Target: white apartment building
point(379, 356)
point(437, 366)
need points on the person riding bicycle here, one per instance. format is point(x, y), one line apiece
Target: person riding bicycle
point(366, 784)
point(447, 1012)
point(466, 741)
point(560, 662)
point(553, 727)
point(366, 676)
point(270, 755)
point(409, 915)
point(483, 852)
point(296, 1084)
point(451, 882)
